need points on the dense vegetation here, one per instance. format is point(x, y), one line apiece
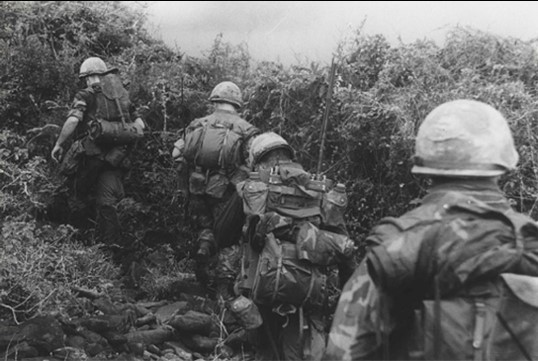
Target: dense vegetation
point(382, 93)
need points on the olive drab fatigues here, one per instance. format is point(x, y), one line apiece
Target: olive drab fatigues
point(215, 155)
point(390, 305)
point(94, 171)
point(296, 248)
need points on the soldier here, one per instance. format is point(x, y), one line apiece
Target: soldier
point(295, 249)
point(430, 286)
point(100, 123)
point(213, 149)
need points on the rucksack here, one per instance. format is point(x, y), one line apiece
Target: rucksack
point(291, 249)
point(112, 102)
point(282, 277)
point(479, 309)
point(111, 123)
point(473, 282)
point(213, 145)
point(502, 325)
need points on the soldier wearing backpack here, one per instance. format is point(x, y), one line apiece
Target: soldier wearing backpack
point(100, 133)
point(455, 278)
point(214, 151)
point(295, 253)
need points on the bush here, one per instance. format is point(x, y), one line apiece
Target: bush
point(381, 95)
point(41, 264)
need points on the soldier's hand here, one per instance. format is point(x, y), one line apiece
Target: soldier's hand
point(57, 153)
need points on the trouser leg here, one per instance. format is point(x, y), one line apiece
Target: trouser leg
point(267, 338)
point(228, 268)
point(108, 193)
point(80, 187)
point(303, 338)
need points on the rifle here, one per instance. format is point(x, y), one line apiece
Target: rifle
point(326, 115)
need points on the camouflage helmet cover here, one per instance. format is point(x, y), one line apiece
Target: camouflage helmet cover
point(227, 92)
point(94, 66)
point(464, 138)
point(264, 143)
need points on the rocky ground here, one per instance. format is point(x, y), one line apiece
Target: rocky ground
point(116, 328)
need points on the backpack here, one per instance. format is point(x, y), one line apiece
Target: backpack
point(494, 326)
point(111, 124)
point(290, 247)
point(213, 145)
point(474, 287)
point(112, 103)
point(479, 308)
point(282, 277)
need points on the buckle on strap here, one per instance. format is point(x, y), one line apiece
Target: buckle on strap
point(479, 326)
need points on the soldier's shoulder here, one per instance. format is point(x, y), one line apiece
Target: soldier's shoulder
point(231, 116)
point(198, 122)
point(424, 214)
point(85, 94)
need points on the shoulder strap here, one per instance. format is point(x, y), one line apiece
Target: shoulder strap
point(522, 225)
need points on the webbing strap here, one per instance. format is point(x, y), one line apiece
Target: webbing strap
point(437, 335)
point(479, 326)
point(221, 151)
point(310, 288)
point(301, 332)
point(121, 112)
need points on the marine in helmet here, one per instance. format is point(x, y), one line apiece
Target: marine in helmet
point(213, 151)
point(463, 146)
point(98, 134)
point(289, 209)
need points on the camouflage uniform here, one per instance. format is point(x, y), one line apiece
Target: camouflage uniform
point(358, 321)
point(289, 332)
point(464, 146)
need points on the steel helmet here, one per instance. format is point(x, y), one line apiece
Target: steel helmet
point(227, 92)
point(94, 66)
point(464, 138)
point(263, 144)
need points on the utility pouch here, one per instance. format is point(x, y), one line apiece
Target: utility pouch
point(197, 182)
point(217, 185)
point(247, 312)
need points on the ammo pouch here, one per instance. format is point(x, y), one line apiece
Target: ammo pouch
point(114, 133)
point(294, 201)
point(283, 278)
point(333, 208)
point(72, 158)
point(254, 197)
point(322, 247)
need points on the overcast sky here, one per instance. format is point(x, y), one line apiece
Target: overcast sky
point(291, 30)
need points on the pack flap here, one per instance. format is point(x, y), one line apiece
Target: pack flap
point(112, 87)
point(524, 287)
